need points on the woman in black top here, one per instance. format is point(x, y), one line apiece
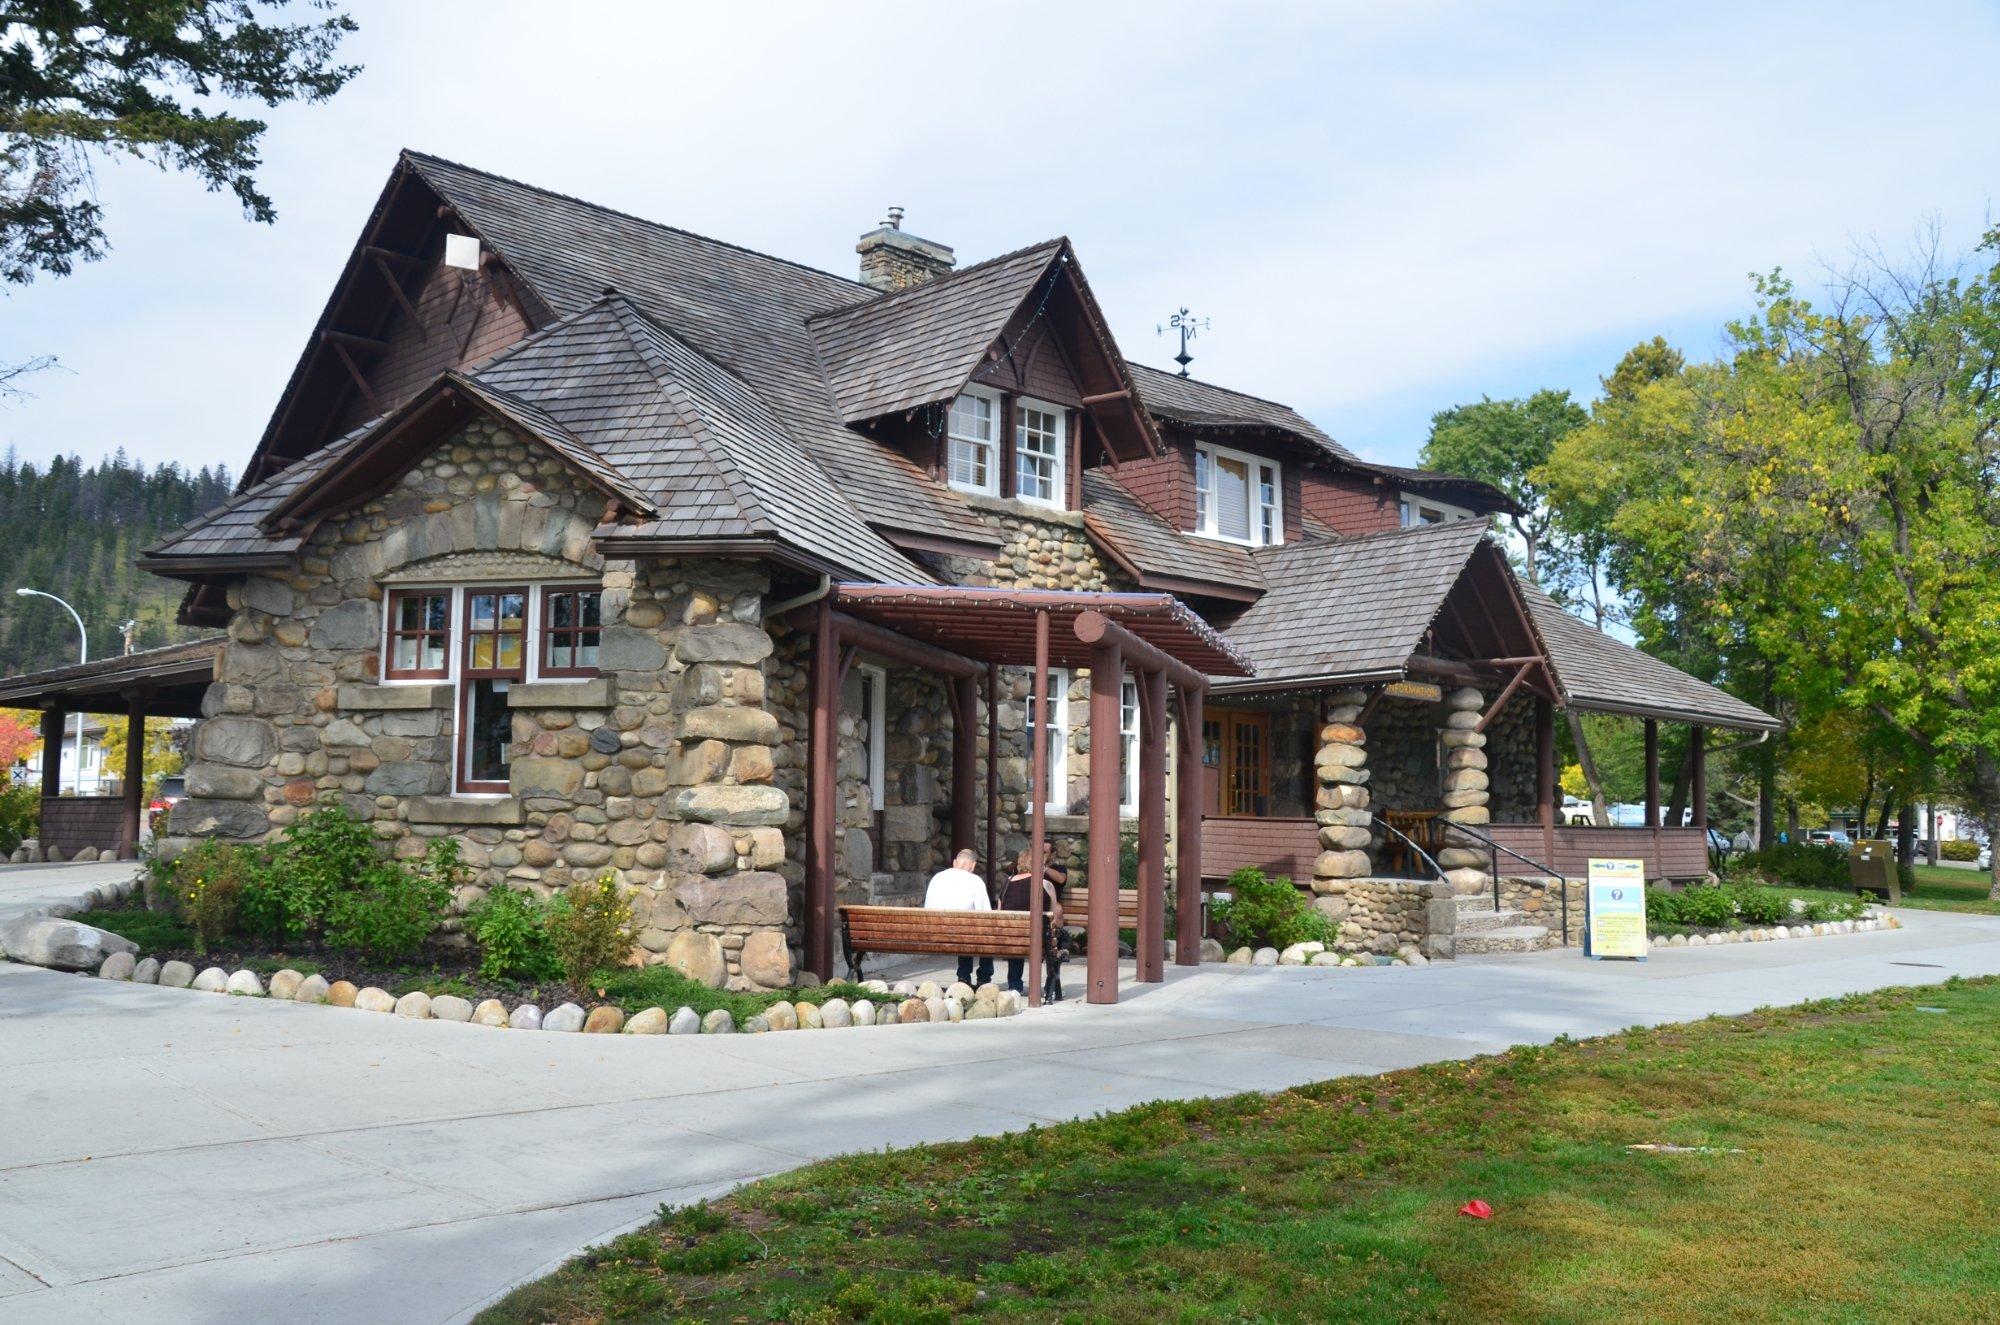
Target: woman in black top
point(1014, 896)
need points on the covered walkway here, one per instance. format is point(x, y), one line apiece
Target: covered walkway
point(967, 635)
point(154, 683)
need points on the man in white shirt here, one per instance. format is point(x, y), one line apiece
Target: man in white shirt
point(958, 888)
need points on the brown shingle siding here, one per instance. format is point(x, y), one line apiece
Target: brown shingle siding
point(451, 304)
point(1350, 504)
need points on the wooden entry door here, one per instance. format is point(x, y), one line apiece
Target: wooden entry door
point(1236, 763)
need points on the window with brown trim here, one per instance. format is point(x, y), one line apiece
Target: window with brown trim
point(419, 643)
point(496, 656)
point(572, 617)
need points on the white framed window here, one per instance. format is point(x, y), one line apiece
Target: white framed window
point(1055, 734)
point(972, 445)
point(1040, 443)
point(1239, 498)
point(1128, 748)
point(482, 639)
point(1424, 510)
point(875, 704)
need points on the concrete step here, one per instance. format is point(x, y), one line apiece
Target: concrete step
point(1510, 938)
point(1478, 922)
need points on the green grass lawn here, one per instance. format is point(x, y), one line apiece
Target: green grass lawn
point(1867, 1189)
point(1938, 889)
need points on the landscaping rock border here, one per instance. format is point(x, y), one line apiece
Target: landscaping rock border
point(1778, 933)
point(904, 1002)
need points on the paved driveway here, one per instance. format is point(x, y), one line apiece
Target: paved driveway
point(174, 1156)
point(33, 889)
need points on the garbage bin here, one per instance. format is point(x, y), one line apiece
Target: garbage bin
point(1872, 865)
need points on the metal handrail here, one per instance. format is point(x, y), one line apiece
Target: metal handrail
point(1436, 868)
point(1493, 849)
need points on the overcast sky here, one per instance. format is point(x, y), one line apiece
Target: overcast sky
point(1385, 209)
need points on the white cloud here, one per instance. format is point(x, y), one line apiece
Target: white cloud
point(1384, 209)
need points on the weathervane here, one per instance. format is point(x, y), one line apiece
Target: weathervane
point(1189, 326)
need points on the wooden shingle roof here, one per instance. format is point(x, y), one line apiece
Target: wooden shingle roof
point(1351, 609)
point(1160, 555)
point(921, 345)
point(1203, 404)
point(1596, 671)
point(744, 310)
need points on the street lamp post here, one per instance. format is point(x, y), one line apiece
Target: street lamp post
point(82, 656)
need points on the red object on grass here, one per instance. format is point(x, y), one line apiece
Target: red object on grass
point(1477, 1208)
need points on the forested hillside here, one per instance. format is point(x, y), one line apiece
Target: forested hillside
point(74, 531)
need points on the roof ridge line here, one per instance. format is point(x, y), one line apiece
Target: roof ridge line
point(937, 282)
point(629, 216)
point(691, 417)
point(1217, 386)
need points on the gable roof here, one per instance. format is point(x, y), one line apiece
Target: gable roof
point(684, 444)
point(921, 345)
point(1352, 609)
point(1598, 672)
point(743, 310)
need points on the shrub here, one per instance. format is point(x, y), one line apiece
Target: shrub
point(1663, 908)
point(590, 929)
point(1762, 906)
point(511, 926)
point(20, 814)
point(209, 880)
point(1707, 907)
point(1800, 864)
point(1822, 909)
point(1958, 849)
point(1266, 912)
point(392, 908)
point(322, 856)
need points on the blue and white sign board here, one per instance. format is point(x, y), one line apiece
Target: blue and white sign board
point(1616, 915)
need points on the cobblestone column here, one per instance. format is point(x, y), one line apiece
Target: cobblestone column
point(1465, 860)
point(1341, 766)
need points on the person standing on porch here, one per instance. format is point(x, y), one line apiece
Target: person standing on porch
point(959, 888)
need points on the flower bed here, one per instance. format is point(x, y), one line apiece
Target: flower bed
point(902, 1003)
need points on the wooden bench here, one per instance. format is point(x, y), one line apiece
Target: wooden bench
point(1076, 907)
point(911, 929)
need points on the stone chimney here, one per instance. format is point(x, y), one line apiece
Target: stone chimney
point(893, 260)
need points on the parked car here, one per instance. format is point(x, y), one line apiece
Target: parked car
point(173, 790)
point(1829, 837)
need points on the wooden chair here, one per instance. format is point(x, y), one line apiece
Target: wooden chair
point(1419, 826)
point(914, 930)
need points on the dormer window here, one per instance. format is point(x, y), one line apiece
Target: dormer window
point(973, 452)
point(1422, 511)
point(1039, 447)
point(1238, 497)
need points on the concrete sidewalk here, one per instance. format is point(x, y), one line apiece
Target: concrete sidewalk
point(183, 1157)
point(39, 889)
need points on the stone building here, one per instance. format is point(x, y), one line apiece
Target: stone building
point(531, 549)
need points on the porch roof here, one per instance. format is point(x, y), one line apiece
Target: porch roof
point(1606, 675)
point(172, 681)
point(997, 625)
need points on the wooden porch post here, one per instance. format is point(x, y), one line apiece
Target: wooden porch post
point(965, 765)
point(1106, 673)
point(1187, 836)
point(1545, 775)
point(53, 722)
point(821, 761)
point(1038, 802)
point(997, 870)
point(1698, 777)
point(135, 777)
point(1652, 773)
point(1152, 936)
